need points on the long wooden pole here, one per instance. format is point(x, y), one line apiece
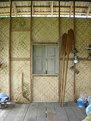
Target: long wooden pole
point(59, 84)
point(10, 39)
point(74, 47)
point(31, 83)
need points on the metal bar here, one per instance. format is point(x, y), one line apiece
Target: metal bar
point(10, 50)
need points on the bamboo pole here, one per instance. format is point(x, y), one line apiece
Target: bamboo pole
point(10, 50)
point(59, 83)
point(74, 47)
point(31, 83)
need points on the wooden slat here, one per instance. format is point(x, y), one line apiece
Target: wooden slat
point(43, 43)
point(32, 112)
point(70, 114)
point(38, 111)
point(41, 115)
point(37, 75)
point(10, 50)
point(60, 113)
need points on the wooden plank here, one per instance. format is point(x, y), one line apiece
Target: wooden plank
point(43, 43)
point(4, 113)
point(14, 112)
point(32, 112)
point(50, 111)
point(37, 75)
point(60, 113)
point(41, 114)
point(80, 116)
point(22, 113)
point(47, 0)
point(70, 114)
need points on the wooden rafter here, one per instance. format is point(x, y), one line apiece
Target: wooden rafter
point(51, 6)
point(70, 12)
point(88, 10)
point(14, 7)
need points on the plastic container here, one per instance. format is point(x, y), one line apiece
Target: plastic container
point(88, 109)
point(81, 103)
point(3, 97)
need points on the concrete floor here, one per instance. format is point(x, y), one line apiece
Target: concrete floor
point(42, 112)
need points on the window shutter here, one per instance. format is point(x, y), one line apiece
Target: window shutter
point(51, 58)
point(38, 59)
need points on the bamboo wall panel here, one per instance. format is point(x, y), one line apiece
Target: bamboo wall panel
point(45, 29)
point(4, 55)
point(83, 36)
point(20, 44)
point(83, 79)
point(19, 68)
point(45, 89)
point(20, 23)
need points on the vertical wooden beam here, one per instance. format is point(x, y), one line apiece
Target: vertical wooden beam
point(10, 39)
point(74, 24)
point(59, 83)
point(31, 83)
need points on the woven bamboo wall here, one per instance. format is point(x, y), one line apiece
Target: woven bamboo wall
point(4, 40)
point(44, 30)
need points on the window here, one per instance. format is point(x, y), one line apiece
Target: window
point(45, 59)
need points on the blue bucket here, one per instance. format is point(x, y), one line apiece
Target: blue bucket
point(81, 103)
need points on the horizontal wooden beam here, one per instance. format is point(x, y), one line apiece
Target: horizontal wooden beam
point(44, 7)
point(47, 0)
point(41, 13)
point(40, 75)
point(38, 43)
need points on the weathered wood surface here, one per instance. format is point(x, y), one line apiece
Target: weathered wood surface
point(43, 112)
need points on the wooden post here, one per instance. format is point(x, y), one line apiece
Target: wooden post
point(10, 50)
point(59, 83)
point(31, 83)
point(74, 47)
